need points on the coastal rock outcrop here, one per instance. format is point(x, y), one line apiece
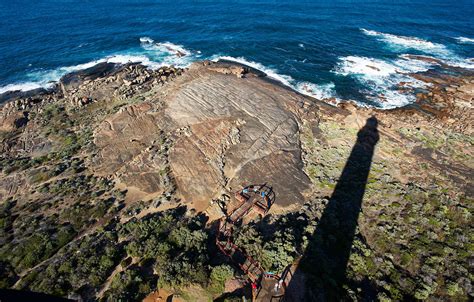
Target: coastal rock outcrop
point(206, 163)
point(127, 146)
point(122, 164)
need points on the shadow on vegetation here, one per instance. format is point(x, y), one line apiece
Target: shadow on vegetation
point(175, 249)
point(22, 295)
point(325, 260)
point(236, 295)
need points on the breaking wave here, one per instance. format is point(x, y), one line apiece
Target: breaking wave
point(47, 78)
point(284, 79)
point(387, 84)
point(166, 47)
point(408, 42)
point(404, 42)
point(153, 55)
point(167, 53)
point(25, 86)
point(146, 40)
point(440, 51)
point(464, 40)
point(321, 92)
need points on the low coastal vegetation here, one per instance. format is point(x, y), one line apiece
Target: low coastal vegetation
point(90, 206)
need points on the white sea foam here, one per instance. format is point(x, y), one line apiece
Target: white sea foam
point(46, 78)
point(465, 40)
point(173, 48)
point(453, 62)
point(366, 67)
point(147, 40)
point(466, 64)
point(167, 53)
point(382, 79)
point(125, 59)
point(25, 86)
point(405, 65)
point(284, 79)
point(440, 51)
point(166, 47)
point(321, 92)
point(153, 56)
point(404, 42)
point(114, 59)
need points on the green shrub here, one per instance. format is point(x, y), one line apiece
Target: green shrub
point(219, 276)
point(453, 289)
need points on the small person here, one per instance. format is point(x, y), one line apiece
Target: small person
point(254, 291)
point(280, 283)
point(276, 288)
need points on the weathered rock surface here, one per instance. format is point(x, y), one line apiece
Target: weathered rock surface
point(117, 144)
point(126, 143)
point(239, 132)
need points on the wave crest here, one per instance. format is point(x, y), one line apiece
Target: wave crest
point(146, 40)
point(321, 92)
point(388, 84)
point(167, 53)
point(153, 55)
point(25, 86)
point(284, 79)
point(464, 40)
point(405, 42)
point(441, 52)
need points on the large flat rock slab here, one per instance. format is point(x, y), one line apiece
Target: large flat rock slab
point(233, 131)
point(128, 146)
point(198, 160)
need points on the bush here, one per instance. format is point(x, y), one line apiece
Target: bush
point(424, 291)
point(128, 286)
point(219, 276)
point(453, 289)
point(65, 235)
point(7, 275)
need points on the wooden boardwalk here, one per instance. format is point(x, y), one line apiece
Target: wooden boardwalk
point(243, 209)
point(265, 287)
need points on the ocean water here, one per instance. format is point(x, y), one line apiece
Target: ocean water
point(337, 49)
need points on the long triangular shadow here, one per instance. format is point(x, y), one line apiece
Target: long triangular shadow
point(325, 260)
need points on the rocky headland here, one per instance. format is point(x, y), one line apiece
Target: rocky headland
point(110, 183)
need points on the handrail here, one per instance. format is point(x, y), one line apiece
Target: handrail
point(227, 225)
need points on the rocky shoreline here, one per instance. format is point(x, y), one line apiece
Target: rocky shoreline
point(116, 144)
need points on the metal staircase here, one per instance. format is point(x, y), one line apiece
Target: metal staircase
point(254, 198)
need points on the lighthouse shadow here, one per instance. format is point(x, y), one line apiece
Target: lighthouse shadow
point(324, 263)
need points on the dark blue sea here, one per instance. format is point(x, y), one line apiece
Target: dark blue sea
point(337, 49)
